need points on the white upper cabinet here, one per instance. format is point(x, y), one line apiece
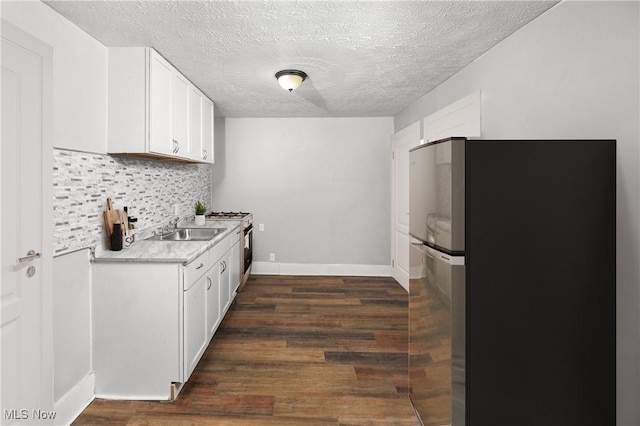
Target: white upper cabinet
point(160, 102)
point(153, 110)
point(180, 118)
point(195, 124)
point(200, 127)
point(207, 130)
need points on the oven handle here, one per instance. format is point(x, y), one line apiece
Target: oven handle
point(248, 229)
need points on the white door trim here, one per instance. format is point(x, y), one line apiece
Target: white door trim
point(461, 118)
point(401, 142)
point(20, 38)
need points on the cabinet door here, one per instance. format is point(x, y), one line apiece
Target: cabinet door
point(195, 124)
point(160, 112)
point(195, 324)
point(213, 301)
point(225, 300)
point(181, 89)
point(207, 130)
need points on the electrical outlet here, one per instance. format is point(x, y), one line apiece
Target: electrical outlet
point(261, 227)
point(272, 257)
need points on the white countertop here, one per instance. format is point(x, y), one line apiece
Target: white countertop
point(169, 251)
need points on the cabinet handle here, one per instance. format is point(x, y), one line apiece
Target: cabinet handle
point(201, 265)
point(204, 154)
point(224, 266)
point(175, 146)
point(209, 286)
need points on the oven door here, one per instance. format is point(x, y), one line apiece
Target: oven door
point(248, 249)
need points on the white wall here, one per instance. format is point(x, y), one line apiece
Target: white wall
point(572, 73)
point(321, 186)
point(80, 75)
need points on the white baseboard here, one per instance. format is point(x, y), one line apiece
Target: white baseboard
point(401, 276)
point(69, 407)
point(273, 268)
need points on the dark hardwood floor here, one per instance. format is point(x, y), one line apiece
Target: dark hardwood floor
point(293, 351)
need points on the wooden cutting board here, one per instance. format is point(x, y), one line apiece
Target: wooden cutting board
point(111, 217)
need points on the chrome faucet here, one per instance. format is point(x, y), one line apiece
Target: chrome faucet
point(172, 226)
point(174, 221)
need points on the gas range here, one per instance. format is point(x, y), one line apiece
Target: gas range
point(246, 218)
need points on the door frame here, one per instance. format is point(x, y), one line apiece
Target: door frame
point(460, 118)
point(411, 131)
point(15, 35)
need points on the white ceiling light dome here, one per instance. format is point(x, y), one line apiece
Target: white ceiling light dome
point(290, 79)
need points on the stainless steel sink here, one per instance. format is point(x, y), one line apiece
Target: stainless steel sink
point(189, 234)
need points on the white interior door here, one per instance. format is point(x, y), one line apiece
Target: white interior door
point(27, 385)
point(401, 143)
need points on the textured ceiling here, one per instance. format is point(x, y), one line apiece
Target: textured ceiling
point(364, 59)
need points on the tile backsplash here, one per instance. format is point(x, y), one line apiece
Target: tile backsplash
point(149, 188)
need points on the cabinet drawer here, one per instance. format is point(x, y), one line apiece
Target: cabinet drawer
point(220, 249)
point(196, 269)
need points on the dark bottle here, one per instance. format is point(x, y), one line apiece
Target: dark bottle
point(116, 237)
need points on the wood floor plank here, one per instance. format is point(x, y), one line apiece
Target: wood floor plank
point(349, 410)
point(194, 419)
point(293, 350)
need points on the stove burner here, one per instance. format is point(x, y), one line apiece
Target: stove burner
point(228, 215)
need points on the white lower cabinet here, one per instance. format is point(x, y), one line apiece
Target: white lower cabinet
point(225, 294)
point(152, 322)
point(214, 311)
point(136, 329)
point(229, 266)
point(196, 333)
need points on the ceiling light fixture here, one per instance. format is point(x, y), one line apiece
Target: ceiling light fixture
point(290, 79)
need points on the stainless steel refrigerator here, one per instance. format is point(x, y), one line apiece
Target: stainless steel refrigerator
point(512, 282)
